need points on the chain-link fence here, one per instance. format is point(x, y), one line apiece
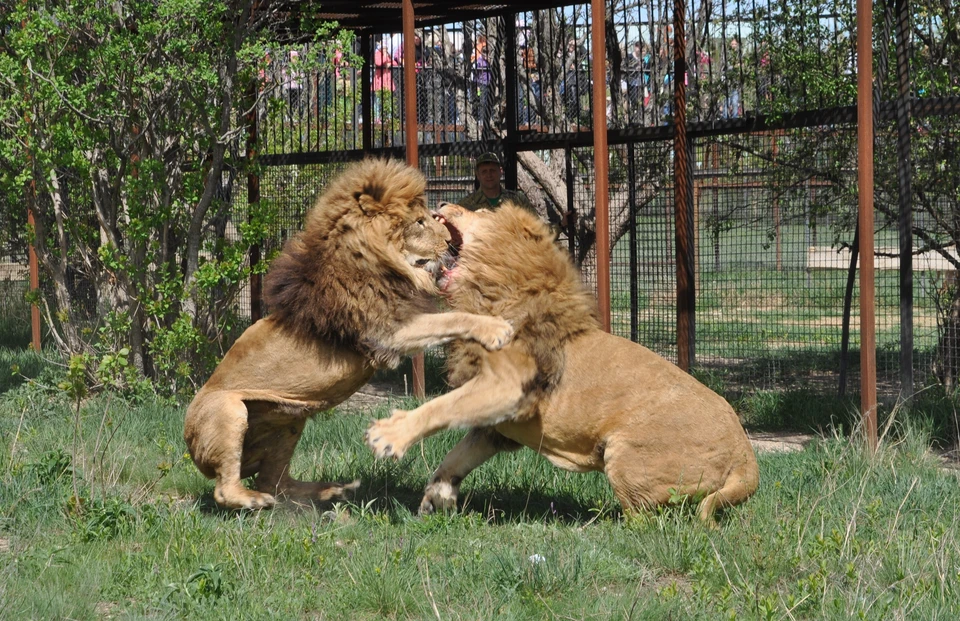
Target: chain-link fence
point(14, 274)
point(769, 97)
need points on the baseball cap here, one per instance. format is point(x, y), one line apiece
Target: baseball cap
point(488, 158)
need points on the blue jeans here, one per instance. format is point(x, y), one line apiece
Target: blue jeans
point(731, 107)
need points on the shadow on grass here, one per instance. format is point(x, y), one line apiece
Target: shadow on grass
point(509, 503)
point(400, 501)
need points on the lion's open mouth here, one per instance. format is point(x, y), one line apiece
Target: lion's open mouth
point(448, 261)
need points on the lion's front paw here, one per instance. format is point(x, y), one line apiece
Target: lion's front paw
point(439, 496)
point(390, 437)
point(497, 334)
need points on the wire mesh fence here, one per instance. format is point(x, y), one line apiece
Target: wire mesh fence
point(769, 94)
point(769, 106)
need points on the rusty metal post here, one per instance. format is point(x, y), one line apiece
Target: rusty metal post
point(686, 299)
point(413, 156)
point(601, 158)
point(868, 337)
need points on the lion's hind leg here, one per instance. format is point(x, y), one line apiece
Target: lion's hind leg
point(275, 431)
point(740, 484)
point(643, 478)
point(216, 427)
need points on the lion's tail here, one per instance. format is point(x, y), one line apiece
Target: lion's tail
point(740, 484)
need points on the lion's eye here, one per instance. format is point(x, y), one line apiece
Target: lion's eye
point(421, 222)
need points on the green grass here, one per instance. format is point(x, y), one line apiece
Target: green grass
point(14, 314)
point(22, 365)
point(832, 533)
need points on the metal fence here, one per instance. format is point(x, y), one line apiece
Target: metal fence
point(770, 116)
point(770, 120)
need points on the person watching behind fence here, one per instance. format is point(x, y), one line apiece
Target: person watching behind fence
point(491, 192)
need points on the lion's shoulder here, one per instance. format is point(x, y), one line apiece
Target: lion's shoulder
point(513, 268)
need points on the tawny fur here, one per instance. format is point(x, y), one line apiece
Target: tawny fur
point(347, 295)
point(584, 399)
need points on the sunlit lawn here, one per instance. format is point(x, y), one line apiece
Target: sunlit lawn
point(830, 534)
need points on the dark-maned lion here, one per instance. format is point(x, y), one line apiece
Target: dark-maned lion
point(353, 292)
point(584, 399)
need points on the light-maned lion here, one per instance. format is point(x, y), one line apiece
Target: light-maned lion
point(583, 398)
point(353, 292)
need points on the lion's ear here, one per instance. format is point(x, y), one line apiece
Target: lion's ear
point(369, 205)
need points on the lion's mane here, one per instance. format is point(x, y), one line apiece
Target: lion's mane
point(343, 278)
point(541, 295)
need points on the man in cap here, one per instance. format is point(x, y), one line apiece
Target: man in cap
point(492, 193)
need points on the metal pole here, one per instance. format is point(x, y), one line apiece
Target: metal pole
point(366, 92)
point(512, 94)
point(634, 254)
point(868, 341)
point(905, 198)
point(601, 158)
point(253, 197)
point(571, 221)
point(413, 156)
point(686, 299)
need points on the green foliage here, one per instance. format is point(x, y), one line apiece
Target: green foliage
point(177, 350)
point(810, 60)
point(205, 583)
point(51, 467)
point(128, 117)
point(102, 520)
point(74, 384)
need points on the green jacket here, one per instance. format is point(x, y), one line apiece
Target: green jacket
point(477, 200)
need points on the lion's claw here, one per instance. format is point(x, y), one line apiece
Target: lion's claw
point(439, 496)
point(239, 498)
point(499, 337)
point(385, 436)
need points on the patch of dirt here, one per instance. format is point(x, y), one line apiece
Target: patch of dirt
point(4, 545)
point(773, 442)
point(373, 395)
point(950, 460)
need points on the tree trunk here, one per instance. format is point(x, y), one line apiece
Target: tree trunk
point(948, 349)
